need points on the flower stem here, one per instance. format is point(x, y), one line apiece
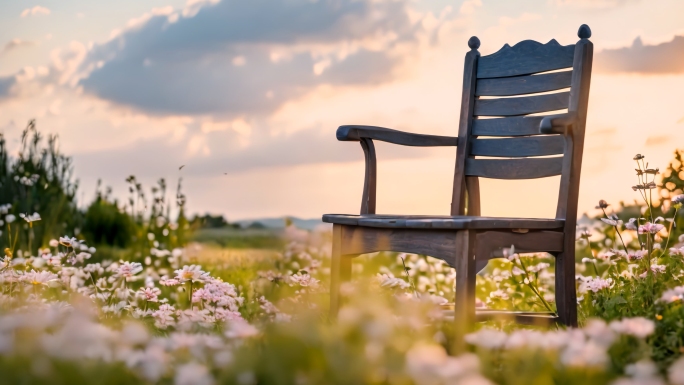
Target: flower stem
point(533, 288)
point(616, 230)
point(669, 232)
point(415, 292)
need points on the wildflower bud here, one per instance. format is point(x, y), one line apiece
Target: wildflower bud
point(602, 204)
point(638, 157)
point(65, 241)
point(677, 201)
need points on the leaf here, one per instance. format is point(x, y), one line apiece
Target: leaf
point(618, 300)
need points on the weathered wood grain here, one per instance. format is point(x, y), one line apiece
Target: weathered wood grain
point(522, 85)
point(370, 178)
point(464, 301)
point(521, 317)
point(522, 105)
point(526, 57)
point(435, 243)
point(512, 126)
point(566, 291)
point(473, 199)
point(490, 223)
point(356, 133)
point(489, 242)
point(527, 168)
point(518, 147)
point(458, 194)
point(558, 124)
point(340, 271)
point(444, 222)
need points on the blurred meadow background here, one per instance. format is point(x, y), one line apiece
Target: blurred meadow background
point(164, 165)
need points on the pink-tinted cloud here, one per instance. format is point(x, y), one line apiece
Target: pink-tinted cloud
point(35, 11)
point(15, 44)
point(238, 57)
point(664, 58)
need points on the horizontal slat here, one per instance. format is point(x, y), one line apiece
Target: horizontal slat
point(460, 223)
point(524, 58)
point(524, 318)
point(518, 147)
point(435, 243)
point(522, 85)
point(515, 126)
point(523, 105)
point(442, 222)
point(529, 168)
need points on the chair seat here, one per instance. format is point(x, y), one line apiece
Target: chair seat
point(442, 222)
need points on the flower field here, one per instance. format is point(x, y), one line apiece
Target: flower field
point(161, 309)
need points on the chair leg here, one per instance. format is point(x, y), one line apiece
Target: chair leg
point(566, 294)
point(464, 304)
point(340, 271)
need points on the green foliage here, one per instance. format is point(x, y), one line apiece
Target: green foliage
point(208, 221)
point(671, 185)
point(106, 223)
point(240, 238)
point(38, 180)
point(44, 371)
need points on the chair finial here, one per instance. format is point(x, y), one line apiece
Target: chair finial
point(584, 32)
point(474, 42)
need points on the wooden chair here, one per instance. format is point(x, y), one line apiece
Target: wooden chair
point(527, 146)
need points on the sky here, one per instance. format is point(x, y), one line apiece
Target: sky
point(247, 95)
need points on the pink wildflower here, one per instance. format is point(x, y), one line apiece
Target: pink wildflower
point(149, 294)
point(651, 228)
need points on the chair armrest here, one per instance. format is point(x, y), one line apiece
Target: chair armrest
point(356, 133)
point(558, 124)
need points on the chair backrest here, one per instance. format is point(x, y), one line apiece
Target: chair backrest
point(499, 135)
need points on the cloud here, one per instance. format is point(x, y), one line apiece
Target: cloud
point(218, 152)
point(6, 84)
point(14, 44)
point(469, 6)
point(594, 4)
point(247, 57)
point(35, 11)
point(664, 58)
point(657, 140)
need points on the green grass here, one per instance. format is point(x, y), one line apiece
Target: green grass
point(269, 239)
